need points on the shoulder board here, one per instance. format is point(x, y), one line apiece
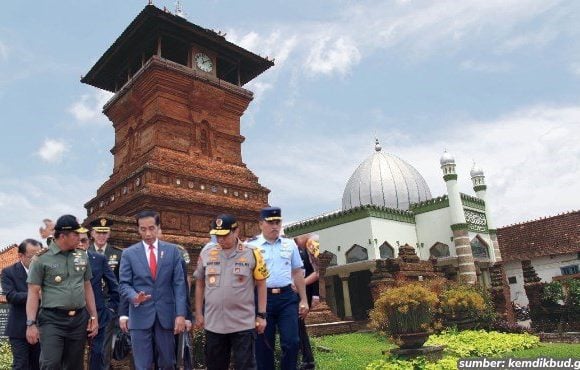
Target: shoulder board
point(180, 247)
point(41, 252)
point(249, 246)
point(117, 248)
point(252, 238)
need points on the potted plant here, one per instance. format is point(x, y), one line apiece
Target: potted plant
point(405, 313)
point(462, 306)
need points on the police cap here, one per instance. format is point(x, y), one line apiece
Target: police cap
point(223, 225)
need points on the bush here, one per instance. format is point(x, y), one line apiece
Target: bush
point(404, 309)
point(503, 326)
point(5, 355)
point(573, 296)
point(553, 293)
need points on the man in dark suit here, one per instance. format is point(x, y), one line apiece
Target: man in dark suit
point(106, 291)
point(100, 233)
point(25, 355)
point(152, 280)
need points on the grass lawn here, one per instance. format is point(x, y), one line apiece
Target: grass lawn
point(355, 351)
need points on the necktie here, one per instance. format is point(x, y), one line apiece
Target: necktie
point(101, 250)
point(152, 261)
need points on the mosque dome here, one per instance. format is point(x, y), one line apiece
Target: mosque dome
point(476, 171)
point(446, 158)
point(385, 180)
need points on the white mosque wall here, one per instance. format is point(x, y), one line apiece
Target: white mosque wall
point(546, 267)
point(344, 236)
point(513, 269)
point(391, 232)
point(433, 227)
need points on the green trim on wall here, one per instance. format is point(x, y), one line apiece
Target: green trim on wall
point(477, 188)
point(492, 231)
point(462, 226)
point(342, 217)
point(472, 202)
point(450, 176)
point(430, 205)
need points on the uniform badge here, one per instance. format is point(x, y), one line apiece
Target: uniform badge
point(212, 280)
point(211, 271)
point(214, 252)
point(219, 222)
point(58, 279)
point(237, 270)
point(103, 222)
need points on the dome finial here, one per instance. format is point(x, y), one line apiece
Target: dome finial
point(377, 145)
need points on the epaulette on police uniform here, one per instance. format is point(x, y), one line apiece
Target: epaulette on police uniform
point(252, 238)
point(117, 248)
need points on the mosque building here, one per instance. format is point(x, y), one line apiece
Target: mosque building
point(387, 204)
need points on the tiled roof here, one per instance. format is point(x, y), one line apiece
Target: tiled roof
point(543, 237)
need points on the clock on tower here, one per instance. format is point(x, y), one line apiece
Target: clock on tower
point(176, 116)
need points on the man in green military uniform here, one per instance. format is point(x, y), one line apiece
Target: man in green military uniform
point(59, 278)
point(100, 233)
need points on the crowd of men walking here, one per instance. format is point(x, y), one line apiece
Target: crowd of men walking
point(80, 292)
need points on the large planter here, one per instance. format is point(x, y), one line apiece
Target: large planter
point(412, 340)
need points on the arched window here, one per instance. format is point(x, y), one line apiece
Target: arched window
point(479, 248)
point(439, 250)
point(386, 251)
point(357, 253)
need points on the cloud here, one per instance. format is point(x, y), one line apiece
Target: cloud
point(52, 150)
point(486, 67)
point(530, 157)
point(31, 199)
point(89, 107)
point(575, 69)
point(329, 56)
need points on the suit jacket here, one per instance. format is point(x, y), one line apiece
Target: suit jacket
point(168, 290)
point(113, 255)
point(16, 290)
point(105, 288)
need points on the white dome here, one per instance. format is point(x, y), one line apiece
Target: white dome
point(385, 180)
point(476, 171)
point(446, 158)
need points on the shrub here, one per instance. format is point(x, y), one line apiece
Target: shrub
point(462, 300)
point(405, 309)
point(573, 296)
point(553, 293)
point(503, 326)
point(5, 355)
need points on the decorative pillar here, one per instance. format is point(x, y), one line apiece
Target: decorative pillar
point(346, 295)
point(382, 279)
point(466, 264)
point(478, 180)
point(322, 312)
point(534, 287)
point(500, 292)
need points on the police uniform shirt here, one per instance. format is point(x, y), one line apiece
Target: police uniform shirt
point(281, 258)
point(229, 287)
point(61, 276)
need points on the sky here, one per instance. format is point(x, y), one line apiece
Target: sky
point(495, 82)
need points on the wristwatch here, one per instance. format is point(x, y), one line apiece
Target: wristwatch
point(261, 315)
point(30, 322)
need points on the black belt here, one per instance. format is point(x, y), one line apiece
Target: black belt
point(63, 311)
point(280, 290)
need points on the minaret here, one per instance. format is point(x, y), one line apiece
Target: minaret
point(478, 180)
point(466, 265)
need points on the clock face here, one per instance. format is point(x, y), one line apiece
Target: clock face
point(203, 62)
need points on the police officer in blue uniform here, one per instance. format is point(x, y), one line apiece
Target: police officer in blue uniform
point(284, 307)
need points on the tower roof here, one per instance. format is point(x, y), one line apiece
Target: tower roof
point(148, 26)
point(385, 180)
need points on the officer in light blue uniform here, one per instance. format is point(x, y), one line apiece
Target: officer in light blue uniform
point(284, 306)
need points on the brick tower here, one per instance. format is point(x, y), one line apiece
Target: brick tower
point(176, 115)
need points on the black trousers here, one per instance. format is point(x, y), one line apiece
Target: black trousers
point(305, 348)
point(25, 356)
point(219, 346)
